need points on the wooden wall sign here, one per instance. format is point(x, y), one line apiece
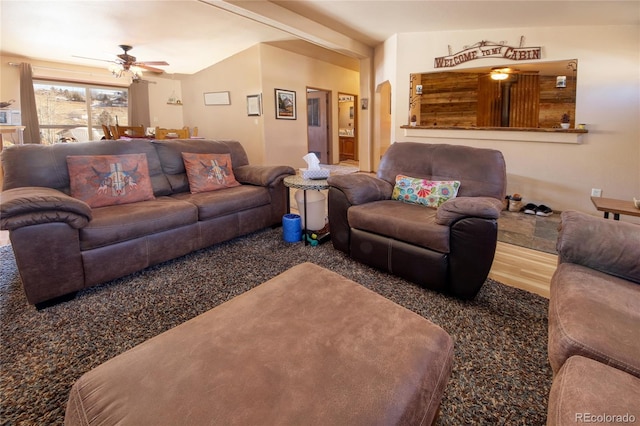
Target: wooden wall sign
point(488, 49)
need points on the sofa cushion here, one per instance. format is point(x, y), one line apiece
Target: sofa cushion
point(586, 391)
point(227, 201)
point(46, 165)
point(581, 241)
point(208, 172)
point(114, 224)
point(106, 180)
point(594, 315)
point(424, 191)
point(170, 153)
point(410, 223)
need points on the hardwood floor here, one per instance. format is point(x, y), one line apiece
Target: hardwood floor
point(524, 268)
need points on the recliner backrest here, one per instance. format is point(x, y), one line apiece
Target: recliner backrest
point(481, 171)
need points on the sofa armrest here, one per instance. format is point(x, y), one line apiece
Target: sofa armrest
point(262, 175)
point(458, 208)
point(361, 188)
point(33, 205)
point(612, 247)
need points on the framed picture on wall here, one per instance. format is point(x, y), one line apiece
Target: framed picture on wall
point(217, 98)
point(253, 105)
point(285, 104)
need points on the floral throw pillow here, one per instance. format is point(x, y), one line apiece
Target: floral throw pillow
point(423, 191)
point(208, 172)
point(106, 180)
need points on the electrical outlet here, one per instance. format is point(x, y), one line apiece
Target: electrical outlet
point(596, 192)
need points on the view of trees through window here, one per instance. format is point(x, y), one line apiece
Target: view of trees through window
point(70, 112)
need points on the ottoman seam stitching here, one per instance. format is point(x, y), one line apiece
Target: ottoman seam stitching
point(449, 352)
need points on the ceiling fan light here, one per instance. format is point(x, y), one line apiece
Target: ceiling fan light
point(137, 71)
point(116, 69)
point(133, 73)
point(499, 76)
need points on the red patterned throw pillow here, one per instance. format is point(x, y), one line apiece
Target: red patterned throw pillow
point(106, 180)
point(208, 172)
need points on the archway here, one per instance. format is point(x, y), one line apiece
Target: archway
point(382, 113)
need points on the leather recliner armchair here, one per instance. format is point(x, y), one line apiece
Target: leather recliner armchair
point(448, 249)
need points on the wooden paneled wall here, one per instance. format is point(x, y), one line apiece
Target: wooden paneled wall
point(525, 101)
point(451, 99)
point(489, 102)
point(556, 101)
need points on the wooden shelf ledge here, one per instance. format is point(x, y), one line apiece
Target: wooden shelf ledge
point(516, 134)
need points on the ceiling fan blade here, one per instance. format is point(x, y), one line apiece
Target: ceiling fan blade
point(148, 68)
point(153, 63)
point(128, 61)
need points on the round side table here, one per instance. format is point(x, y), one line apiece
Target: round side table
point(298, 182)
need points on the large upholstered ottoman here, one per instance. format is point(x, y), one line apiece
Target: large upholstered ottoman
point(308, 347)
point(588, 391)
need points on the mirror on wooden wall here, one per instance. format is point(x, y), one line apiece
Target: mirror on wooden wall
point(531, 95)
point(348, 149)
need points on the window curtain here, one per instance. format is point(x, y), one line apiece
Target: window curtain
point(28, 108)
point(139, 104)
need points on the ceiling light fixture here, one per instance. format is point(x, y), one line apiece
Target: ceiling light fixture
point(132, 72)
point(499, 76)
point(500, 73)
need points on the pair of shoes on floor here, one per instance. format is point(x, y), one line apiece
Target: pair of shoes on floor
point(540, 210)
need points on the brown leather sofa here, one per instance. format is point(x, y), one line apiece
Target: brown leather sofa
point(62, 245)
point(594, 319)
point(448, 249)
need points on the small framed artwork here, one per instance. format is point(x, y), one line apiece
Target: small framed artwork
point(253, 105)
point(285, 104)
point(217, 98)
point(561, 81)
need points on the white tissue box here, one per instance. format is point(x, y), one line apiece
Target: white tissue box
point(315, 174)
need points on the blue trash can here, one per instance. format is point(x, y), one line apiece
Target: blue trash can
point(291, 228)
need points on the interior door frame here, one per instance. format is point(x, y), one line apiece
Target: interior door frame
point(356, 135)
point(329, 121)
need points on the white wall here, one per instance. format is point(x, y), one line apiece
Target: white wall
point(162, 114)
point(260, 70)
point(608, 101)
point(286, 140)
point(240, 76)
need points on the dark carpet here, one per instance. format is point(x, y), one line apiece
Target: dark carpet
point(500, 374)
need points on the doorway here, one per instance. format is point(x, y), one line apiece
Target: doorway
point(347, 129)
point(382, 139)
point(318, 124)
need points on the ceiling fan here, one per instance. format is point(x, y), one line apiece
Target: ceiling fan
point(503, 73)
point(127, 61)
